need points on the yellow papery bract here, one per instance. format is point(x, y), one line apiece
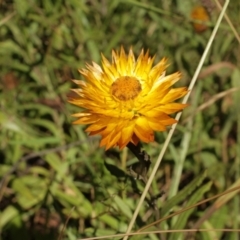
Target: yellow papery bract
point(126, 100)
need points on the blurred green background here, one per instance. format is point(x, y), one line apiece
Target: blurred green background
point(55, 181)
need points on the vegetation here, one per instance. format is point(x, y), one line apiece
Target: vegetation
point(55, 180)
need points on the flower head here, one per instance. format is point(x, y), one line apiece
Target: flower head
point(126, 100)
point(200, 13)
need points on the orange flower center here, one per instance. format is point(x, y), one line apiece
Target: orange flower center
point(126, 88)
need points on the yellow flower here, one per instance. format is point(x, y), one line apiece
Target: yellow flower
point(127, 99)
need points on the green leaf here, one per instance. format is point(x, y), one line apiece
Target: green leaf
point(7, 215)
point(30, 190)
point(217, 221)
point(114, 170)
point(82, 206)
point(183, 194)
point(236, 83)
point(110, 221)
point(182, 219)
point(10, 47)
point(22, 7)
point(124, 208)
point(47, 125)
